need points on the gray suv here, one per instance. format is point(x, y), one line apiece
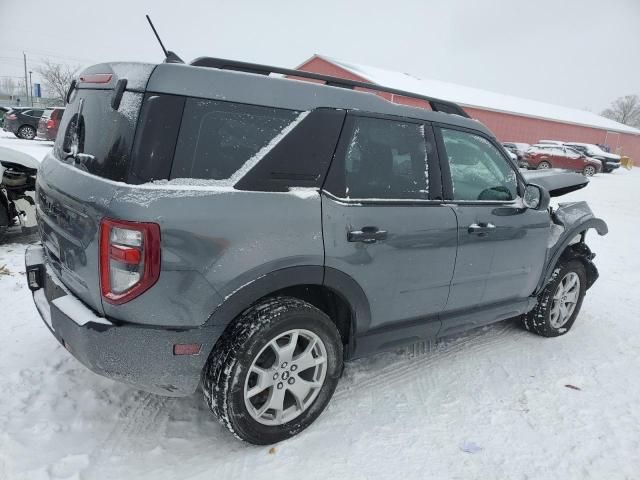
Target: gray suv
point(214, 225)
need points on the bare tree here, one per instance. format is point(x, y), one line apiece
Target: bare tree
point(57, 77)
point(7, 86)
point(625, 110)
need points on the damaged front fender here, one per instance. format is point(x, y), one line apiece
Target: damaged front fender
point(570, 224)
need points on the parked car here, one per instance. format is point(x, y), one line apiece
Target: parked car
point(543, 156)
point(22, 122)
point(49, 123)
point(519, 149)
point(258, 242)
point(610, 161)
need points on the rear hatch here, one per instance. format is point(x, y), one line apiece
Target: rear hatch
point(76, 181)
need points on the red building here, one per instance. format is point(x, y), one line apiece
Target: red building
point(511, 119)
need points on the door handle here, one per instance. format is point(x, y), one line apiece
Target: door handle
point(367, 235)
point(481, 229)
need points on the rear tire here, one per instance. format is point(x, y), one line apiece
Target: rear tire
point(589, 171)
point(245, 383)
point(27, 132)
point(544, 165)
point(560, 301)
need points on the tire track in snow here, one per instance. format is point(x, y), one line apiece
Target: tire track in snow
point(141, 420)
point(415, 369)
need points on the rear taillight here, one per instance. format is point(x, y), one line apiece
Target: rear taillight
point(51, 123)
point(129, 259)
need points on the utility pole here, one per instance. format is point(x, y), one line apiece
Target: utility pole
point(31, 87)
point(26, 84)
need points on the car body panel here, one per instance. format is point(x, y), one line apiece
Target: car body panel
point(407, 275)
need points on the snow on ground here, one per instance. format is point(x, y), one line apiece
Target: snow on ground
point(36, 148)
point(493, 403)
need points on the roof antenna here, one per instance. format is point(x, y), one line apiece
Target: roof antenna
point(169, 56)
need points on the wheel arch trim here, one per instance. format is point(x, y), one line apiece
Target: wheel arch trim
point(340, 283)
point(564, 243)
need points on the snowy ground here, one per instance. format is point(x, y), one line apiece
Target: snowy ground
point(493, 403)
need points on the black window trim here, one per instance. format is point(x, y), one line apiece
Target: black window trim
point(447, 183)
point(225, 102)
point(435, 191)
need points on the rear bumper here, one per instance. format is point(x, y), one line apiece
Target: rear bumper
point(44, 133)
point(9, 126)
point(138, 355)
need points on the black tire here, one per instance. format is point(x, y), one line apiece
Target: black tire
point(27, 132)
point(224, 375)
point(538, 320)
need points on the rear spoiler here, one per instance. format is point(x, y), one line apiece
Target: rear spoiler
point(118, 76)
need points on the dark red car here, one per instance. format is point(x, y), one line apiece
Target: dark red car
point(49, 123)
point(542, 156)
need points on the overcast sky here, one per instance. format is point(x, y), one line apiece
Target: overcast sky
point(578, 53)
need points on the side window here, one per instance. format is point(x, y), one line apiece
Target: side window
point(384, 159)
point(478, 169)
point(218, 139)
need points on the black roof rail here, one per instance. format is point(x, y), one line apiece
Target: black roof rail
point(436, 104)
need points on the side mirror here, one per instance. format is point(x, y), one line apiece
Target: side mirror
point(536, 197)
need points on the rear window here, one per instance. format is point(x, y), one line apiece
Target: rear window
point(105, 135)
point(47, 113)
point(221, 140)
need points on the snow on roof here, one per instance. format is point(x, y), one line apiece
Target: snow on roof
point(475, 97)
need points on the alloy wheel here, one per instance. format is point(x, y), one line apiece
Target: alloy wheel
point(28, 133)
point(285, 377)
point(565, 300)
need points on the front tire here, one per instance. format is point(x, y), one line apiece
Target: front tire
point(27, 132)
point(273, 372)
point(559, 303)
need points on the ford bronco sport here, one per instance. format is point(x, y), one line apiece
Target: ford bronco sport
point(212, 224)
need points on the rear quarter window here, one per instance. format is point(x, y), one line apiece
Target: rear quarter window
point(221, 140)
point(103, 133)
